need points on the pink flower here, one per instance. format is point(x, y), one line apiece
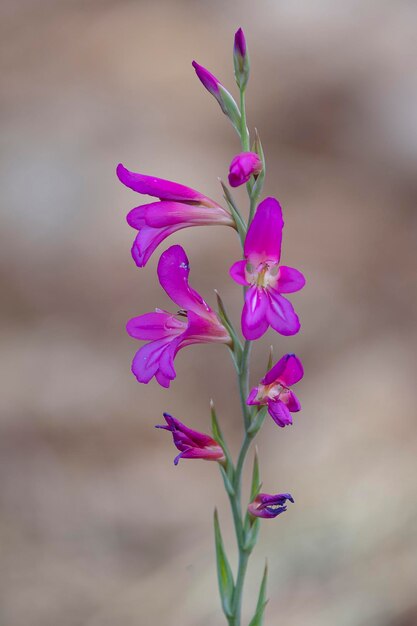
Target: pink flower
point(274, 390)
point(223, 97)
point(267, 280)
point(242, 167)
point(191, 443)
point(196, 322)
point(269, 506)
point(179, 207)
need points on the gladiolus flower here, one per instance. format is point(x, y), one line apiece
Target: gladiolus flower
point(267, 280)
point(242, 167)
point(191, 443)
point(179, 207)
point(274, 390)
point(196, 322)
point(269, 506)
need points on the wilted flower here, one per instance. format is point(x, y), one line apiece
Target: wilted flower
point(274, 390)
point(267, 280)
point(269, 506)
point(179, 207)
point(191, 443)
point(242, 167)
point(196, 322)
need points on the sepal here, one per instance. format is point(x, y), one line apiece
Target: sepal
point(230, 108)
point(224, 572)
point(257, 422)
point(258, 618)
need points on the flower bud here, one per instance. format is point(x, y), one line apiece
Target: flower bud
point(223, 97)
point(241, 59)
point(242, 167)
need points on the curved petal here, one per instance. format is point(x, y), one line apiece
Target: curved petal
point(205, 329)
point(288, 371)
point(173, 272)
point(160, 214)
point(152, 326)
point(156, 356)
point(160, 188)
point(279, 413)
point(281, 314)
point(237, 272)
point(289, 280)
point(264, 237)
point(148, 239)
point(293, 403)
point(136, 217)
point(251, 399)
point(254, 322)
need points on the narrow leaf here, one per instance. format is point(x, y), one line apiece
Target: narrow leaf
point(255, 477)
point(239, 221)
point(217, 433)
point(271, 358)
point(258, 618)
point(224, 572)
point(224, 318)
point(227, 482)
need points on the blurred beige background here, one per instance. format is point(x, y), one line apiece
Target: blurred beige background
point(97, 527)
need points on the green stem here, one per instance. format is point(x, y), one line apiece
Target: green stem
point(244, 133)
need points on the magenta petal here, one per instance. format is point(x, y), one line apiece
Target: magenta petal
point(263, 240)
point(148, 239)
point(288, 370)
point(160, 214)
point(136, 217)
point(289, 280)
point(147, 359)
point(279, 413)
point(210, 82)
point(152, 326)
point(159, 187)
point(252, 397)
point(237, 272)
point(293, 403)
point(173, 271)
point(281, 314)
point(254, 322)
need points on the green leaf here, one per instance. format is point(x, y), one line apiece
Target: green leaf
point(251, 533)
point(271, 358)
point(258, 618)
point(217, 433)
point(224, 572)
point(257, 187)
point(256, 485)
point(227, 482)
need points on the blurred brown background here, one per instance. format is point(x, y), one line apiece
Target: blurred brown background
point(97, 527)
